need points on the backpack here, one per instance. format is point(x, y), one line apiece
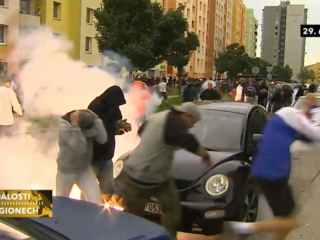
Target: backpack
point(250, 91)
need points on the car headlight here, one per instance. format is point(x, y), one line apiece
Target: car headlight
point(217, 185)
point(117, 168)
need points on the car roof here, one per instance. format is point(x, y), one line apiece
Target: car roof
point(82, 220)
point(228, 106)
point(302, 97)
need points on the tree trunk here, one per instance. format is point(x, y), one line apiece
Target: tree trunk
point(180, 75)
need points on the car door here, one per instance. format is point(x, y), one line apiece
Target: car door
point(256, 125)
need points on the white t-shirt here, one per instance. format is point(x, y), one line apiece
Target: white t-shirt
point(162, 87)
point(8, 101)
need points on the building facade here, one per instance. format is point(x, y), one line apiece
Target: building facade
point(252, 33)
point(228, 22)
point(237, 24)
point(196, 13)
point(316, 69)
point(243, 29)
point(281, 43)
point(74, 20)
point(9, 33)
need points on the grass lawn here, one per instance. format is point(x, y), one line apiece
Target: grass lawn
point(173, 91)
point(171, 101)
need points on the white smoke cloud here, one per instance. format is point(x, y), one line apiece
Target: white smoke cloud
point(52, 84)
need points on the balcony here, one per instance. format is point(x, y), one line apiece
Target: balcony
point(28, 20)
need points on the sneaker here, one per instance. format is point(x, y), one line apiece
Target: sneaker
point(229, 233)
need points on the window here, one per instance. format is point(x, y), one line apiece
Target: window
point(188, 13)
point(201, 63)
point(202, 49)
point(25, 6)
point(190, 68)
point(199, 20)
point(3, 69)
point(200, 6)
point(3, 3)
point(3, 33)
point(192, 23)
point(198, 62)
point(204, 21)
point(204, 7)
point(199, 34)
point(224, 135)
point(202, 36)
point(56, 10)
point(89, 17)
point(193, 9)
point(88, 44)
point(256, 125)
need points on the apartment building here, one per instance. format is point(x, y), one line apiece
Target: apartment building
point(237, 25)
point(74, 20)
point(219, 32)
point(9, 32)
point(252, 33)
point(196, 13)
point(243, 31)
point(228, 22)
point(281, 43)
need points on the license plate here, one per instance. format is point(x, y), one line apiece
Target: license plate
point(153, 208)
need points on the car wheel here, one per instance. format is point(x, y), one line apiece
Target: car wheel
point(251, 206)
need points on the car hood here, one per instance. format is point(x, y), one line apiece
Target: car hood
point(84, 220)
point(188, 168)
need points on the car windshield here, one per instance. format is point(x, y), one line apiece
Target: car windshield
point(302, 102)
point(219, 130)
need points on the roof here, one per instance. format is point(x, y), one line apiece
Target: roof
point(228, 106)
point(82, 220)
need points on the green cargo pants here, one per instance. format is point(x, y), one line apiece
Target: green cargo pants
point(136, 197)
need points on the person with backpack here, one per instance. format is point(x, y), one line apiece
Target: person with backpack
point(250, 93)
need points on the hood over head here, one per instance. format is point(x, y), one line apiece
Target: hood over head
point(113, 97)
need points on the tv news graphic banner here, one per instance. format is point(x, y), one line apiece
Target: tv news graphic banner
point(26, 203)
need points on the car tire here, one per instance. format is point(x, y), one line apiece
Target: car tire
point(248, 209)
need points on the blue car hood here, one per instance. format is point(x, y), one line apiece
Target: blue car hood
point(79, 220)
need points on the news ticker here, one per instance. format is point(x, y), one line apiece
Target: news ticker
point(26, 203)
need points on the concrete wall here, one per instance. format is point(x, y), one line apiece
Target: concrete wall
point(294, 44)
point(269, 44)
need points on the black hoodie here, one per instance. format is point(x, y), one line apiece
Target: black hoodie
point(106, 106)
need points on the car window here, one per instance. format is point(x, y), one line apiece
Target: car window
point(256, 125)
point(9, 233)
point(219, 130)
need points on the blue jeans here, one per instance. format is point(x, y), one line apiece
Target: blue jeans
point(104, 172)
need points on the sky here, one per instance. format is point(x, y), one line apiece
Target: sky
point(312, 44)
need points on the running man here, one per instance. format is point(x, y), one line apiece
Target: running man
point(271, 170)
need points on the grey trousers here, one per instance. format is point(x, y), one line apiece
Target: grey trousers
point(86, 181)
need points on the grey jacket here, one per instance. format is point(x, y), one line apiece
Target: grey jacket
point(152, 160)
point(75, 145)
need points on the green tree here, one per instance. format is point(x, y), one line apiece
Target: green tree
point(183, 43)
point(134, 29)
point(260, 63)
point(307, 74)
point(233, 61)
point(283, 73)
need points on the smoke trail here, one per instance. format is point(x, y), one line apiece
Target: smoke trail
point(51, 83)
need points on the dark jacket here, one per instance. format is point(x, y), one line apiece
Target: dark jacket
point(210, 94)
point(188, 93)
point(106, 106)
point(299, 93)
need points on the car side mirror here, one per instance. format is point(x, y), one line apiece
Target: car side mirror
point(256, 138)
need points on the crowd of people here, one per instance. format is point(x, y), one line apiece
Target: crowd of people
point(87, 144)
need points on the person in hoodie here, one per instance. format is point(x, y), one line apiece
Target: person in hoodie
point(188, 93)
point(77, 130)
point(210, 93)
point(107, 107)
